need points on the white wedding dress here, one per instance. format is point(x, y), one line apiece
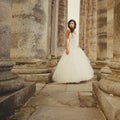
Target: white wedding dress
point(75, 66)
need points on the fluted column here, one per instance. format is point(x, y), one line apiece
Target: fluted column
point(83, 25)
point(87, 25)
point(62, 25)
point(102, 29)
point(81, 43)
point(88, 28)
point(110, 29)
point(116, 43)
point(92, 30)
point(111, 82)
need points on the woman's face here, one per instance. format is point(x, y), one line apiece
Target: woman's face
point(71, 24)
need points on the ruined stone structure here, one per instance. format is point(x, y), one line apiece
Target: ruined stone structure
point(37, 30)
point(29, 33)
point(38, 36)
point(13, 90)
point(99, 37)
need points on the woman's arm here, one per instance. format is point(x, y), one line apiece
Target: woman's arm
point(66, 41)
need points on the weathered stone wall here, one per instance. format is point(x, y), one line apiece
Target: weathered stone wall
point(5, 25)
point(30, 22)
point(62, 25)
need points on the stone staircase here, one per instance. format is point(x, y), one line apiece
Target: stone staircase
point(109, 103)
point(33, 72)
point(14, 91)
point(107, 90)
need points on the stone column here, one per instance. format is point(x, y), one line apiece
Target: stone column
point(5, 63)
point(62, 25)
point(110, 29)
point(116, 43)
point(102, 29)
point(81, 32)
point(8, 81)
point(30, 30)
point(110, 81)
point(83, 25)
point(88, 28)
point(13, 90)
point(92, 30)
point(54, 27)
point(113, 80)
point(53, 33)
point(87, 19)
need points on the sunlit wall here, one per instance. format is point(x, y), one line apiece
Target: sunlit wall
point(74, 12)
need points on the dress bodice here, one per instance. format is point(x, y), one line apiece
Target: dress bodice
point(73, 42)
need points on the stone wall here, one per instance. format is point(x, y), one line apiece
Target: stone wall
point(5, 25)
point(30, 22)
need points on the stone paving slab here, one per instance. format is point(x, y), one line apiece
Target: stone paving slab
point(108, 102)
point(55, 87)
point(86, 86)
point(61, 102)
point(24, 114)
point(54, 98)
point(87, 99)
point(55, 113)
point(39, 87)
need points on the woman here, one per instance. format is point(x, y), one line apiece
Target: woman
point(74, 66)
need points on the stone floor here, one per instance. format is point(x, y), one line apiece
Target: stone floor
point(61, 102)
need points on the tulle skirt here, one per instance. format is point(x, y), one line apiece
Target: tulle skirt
point(73, 68)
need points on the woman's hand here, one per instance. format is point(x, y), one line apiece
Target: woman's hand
point(67, 51)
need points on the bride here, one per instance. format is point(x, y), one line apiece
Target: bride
point(74, 66)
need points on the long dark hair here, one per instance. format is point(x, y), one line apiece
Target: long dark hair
point(71, 30)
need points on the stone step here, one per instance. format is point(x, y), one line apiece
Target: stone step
point(87, 99)
point(30, 70)
point(10, 102)
point(11, 85)
point(110, 86)
point(45, 78)
point(29, 66)
point(109, 104)
point(7, 75)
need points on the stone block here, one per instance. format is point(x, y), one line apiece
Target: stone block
point(10, 102)
point(30, 70)
point(5, 43)
point(11, 85)
point(109, 104)
point(111, 87)
point(45, 78)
